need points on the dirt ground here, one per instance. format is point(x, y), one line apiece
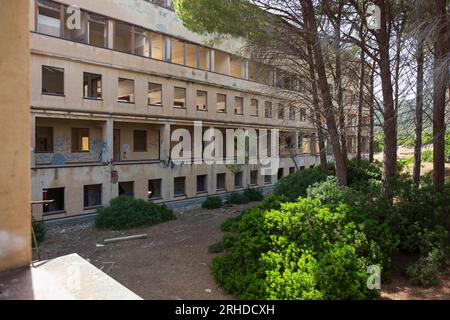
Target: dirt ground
point(173, 262)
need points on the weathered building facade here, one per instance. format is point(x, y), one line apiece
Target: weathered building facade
point(109, 89)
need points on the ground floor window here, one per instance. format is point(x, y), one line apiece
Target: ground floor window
point(201, 184)
point(126, 189)
point(280, 173)
point(92, 196)
point(220, 182)
point(154, 189)
point(291, 170)
point(254, 177)
point(179, 186)
point(56, 195)
point(238, 180)
point(268, 179)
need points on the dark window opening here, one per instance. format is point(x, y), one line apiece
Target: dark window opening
point(220, 182)
point(221, 103)
point(280, 173)
point(92, 196)
point(238, 180)
point(44, 140)
point(52, 80)
point(179, 187)
point(254, 177)
point(267, 179)
point(239, 105)
point(56, 195)
point(154, 189)
point(140, 140)
point(126, 189)
point(201, 184)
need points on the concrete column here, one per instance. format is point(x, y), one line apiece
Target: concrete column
point(109, 189)
point(15, 219)
point(296, 141)
point(164, 134)
point(33, 141)
point(110, 34)
point(212, 66)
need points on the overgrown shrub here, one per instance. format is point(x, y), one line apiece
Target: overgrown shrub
point(237, 198)
point(254, 194)
point(296, 184)
point(212, 203)
point(304, 250)
point(39, 231)
point(216, 247)
point(125, 213)
point(427, 271)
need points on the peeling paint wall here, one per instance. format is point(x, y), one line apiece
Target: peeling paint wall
point(15, 214)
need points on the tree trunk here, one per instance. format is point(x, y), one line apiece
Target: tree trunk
point(440, 86)
point(372, 115)
point(313, 39)
point(362, 79)
point(419, 113)
point(317, 117)
point(390, 119)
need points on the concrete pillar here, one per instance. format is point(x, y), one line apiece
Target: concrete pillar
point(212, 61)
point(164, 134)
point(33, 141)
point(110, 190)
point(110, 34)
point(296, 142)
point(15, 218)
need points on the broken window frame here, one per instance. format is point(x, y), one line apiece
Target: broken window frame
point(238, 106)
point(131, 97)
point(59, 82)
point(77, 140)
point(219, 103)
point(179, 103)
point(90, 91)
point(58, 201)
point(155, 88)
point(202, 105)
point(254, 107)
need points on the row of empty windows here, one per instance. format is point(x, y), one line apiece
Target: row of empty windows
point(80, 140)
point(138, 41)
point(53, 84)
point(92, 194)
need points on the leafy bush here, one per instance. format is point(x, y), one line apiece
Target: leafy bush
point(212, 203)
point(39, 231)
point(216, 248)
point(427, 271)
point(296, 184)
point(304, 250)
point(126, 213)
point(237, 198)
point(254, 194)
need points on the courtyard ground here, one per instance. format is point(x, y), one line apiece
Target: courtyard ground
point(174, 263)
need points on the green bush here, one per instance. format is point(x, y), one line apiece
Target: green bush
point(212, 203)
point(216, 247)
point(254, 194)
point(304, 250)
point(237, 198)
point(39, 231)
point(126, 213)
point(296, 184)
point(427, 271)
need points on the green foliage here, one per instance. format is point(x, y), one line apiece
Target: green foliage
point(237, 18)
point(216, 248)
point(254, 194)
point(427, 271)
point(303, 250)
point(39, 231)
point(126, 213)
point(237, 198)
point(296, 184)
point(212, 203)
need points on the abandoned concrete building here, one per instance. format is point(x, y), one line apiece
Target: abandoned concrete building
point(106, 97)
